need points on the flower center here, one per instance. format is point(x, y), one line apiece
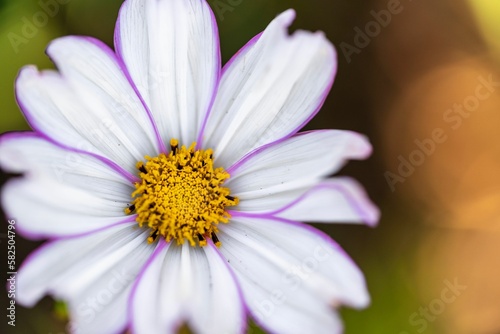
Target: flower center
point(181, 197)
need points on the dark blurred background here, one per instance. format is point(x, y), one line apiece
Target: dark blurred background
point(421, 79)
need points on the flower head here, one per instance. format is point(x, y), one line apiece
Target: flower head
point(181, 196)
point(172, 191)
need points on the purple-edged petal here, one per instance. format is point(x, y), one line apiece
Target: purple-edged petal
point(292, 275)
point(94, 273)
point(90, 105)
point(171, 51)
point(334, 200)
point(45, 208)
point(29, 153)
point(270, 90)
point(277, 174)
point(90, 64)
point(274, 313)
point(67, 192)
point(185, 285)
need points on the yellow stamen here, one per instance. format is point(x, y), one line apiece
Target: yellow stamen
point(181, 197)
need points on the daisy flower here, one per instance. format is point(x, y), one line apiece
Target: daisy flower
point(172, 191)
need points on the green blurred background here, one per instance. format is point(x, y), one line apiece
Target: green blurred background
point(440, 219)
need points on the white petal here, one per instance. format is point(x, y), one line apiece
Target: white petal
point(90, 106)
point(28, 152)
point(334, 200)
point(111, 292)
point(45, 208)
point(148, 313)
point(171, 51)
point(269, 90)
point(273, 201)
point(101, 316)
point(93, 273)
point(287, 269)
point(295, 163)
point(185, 285)
point(277, 315)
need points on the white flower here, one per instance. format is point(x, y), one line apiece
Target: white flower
point(212, 233)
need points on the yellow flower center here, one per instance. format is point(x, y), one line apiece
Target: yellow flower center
point(181, 197)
